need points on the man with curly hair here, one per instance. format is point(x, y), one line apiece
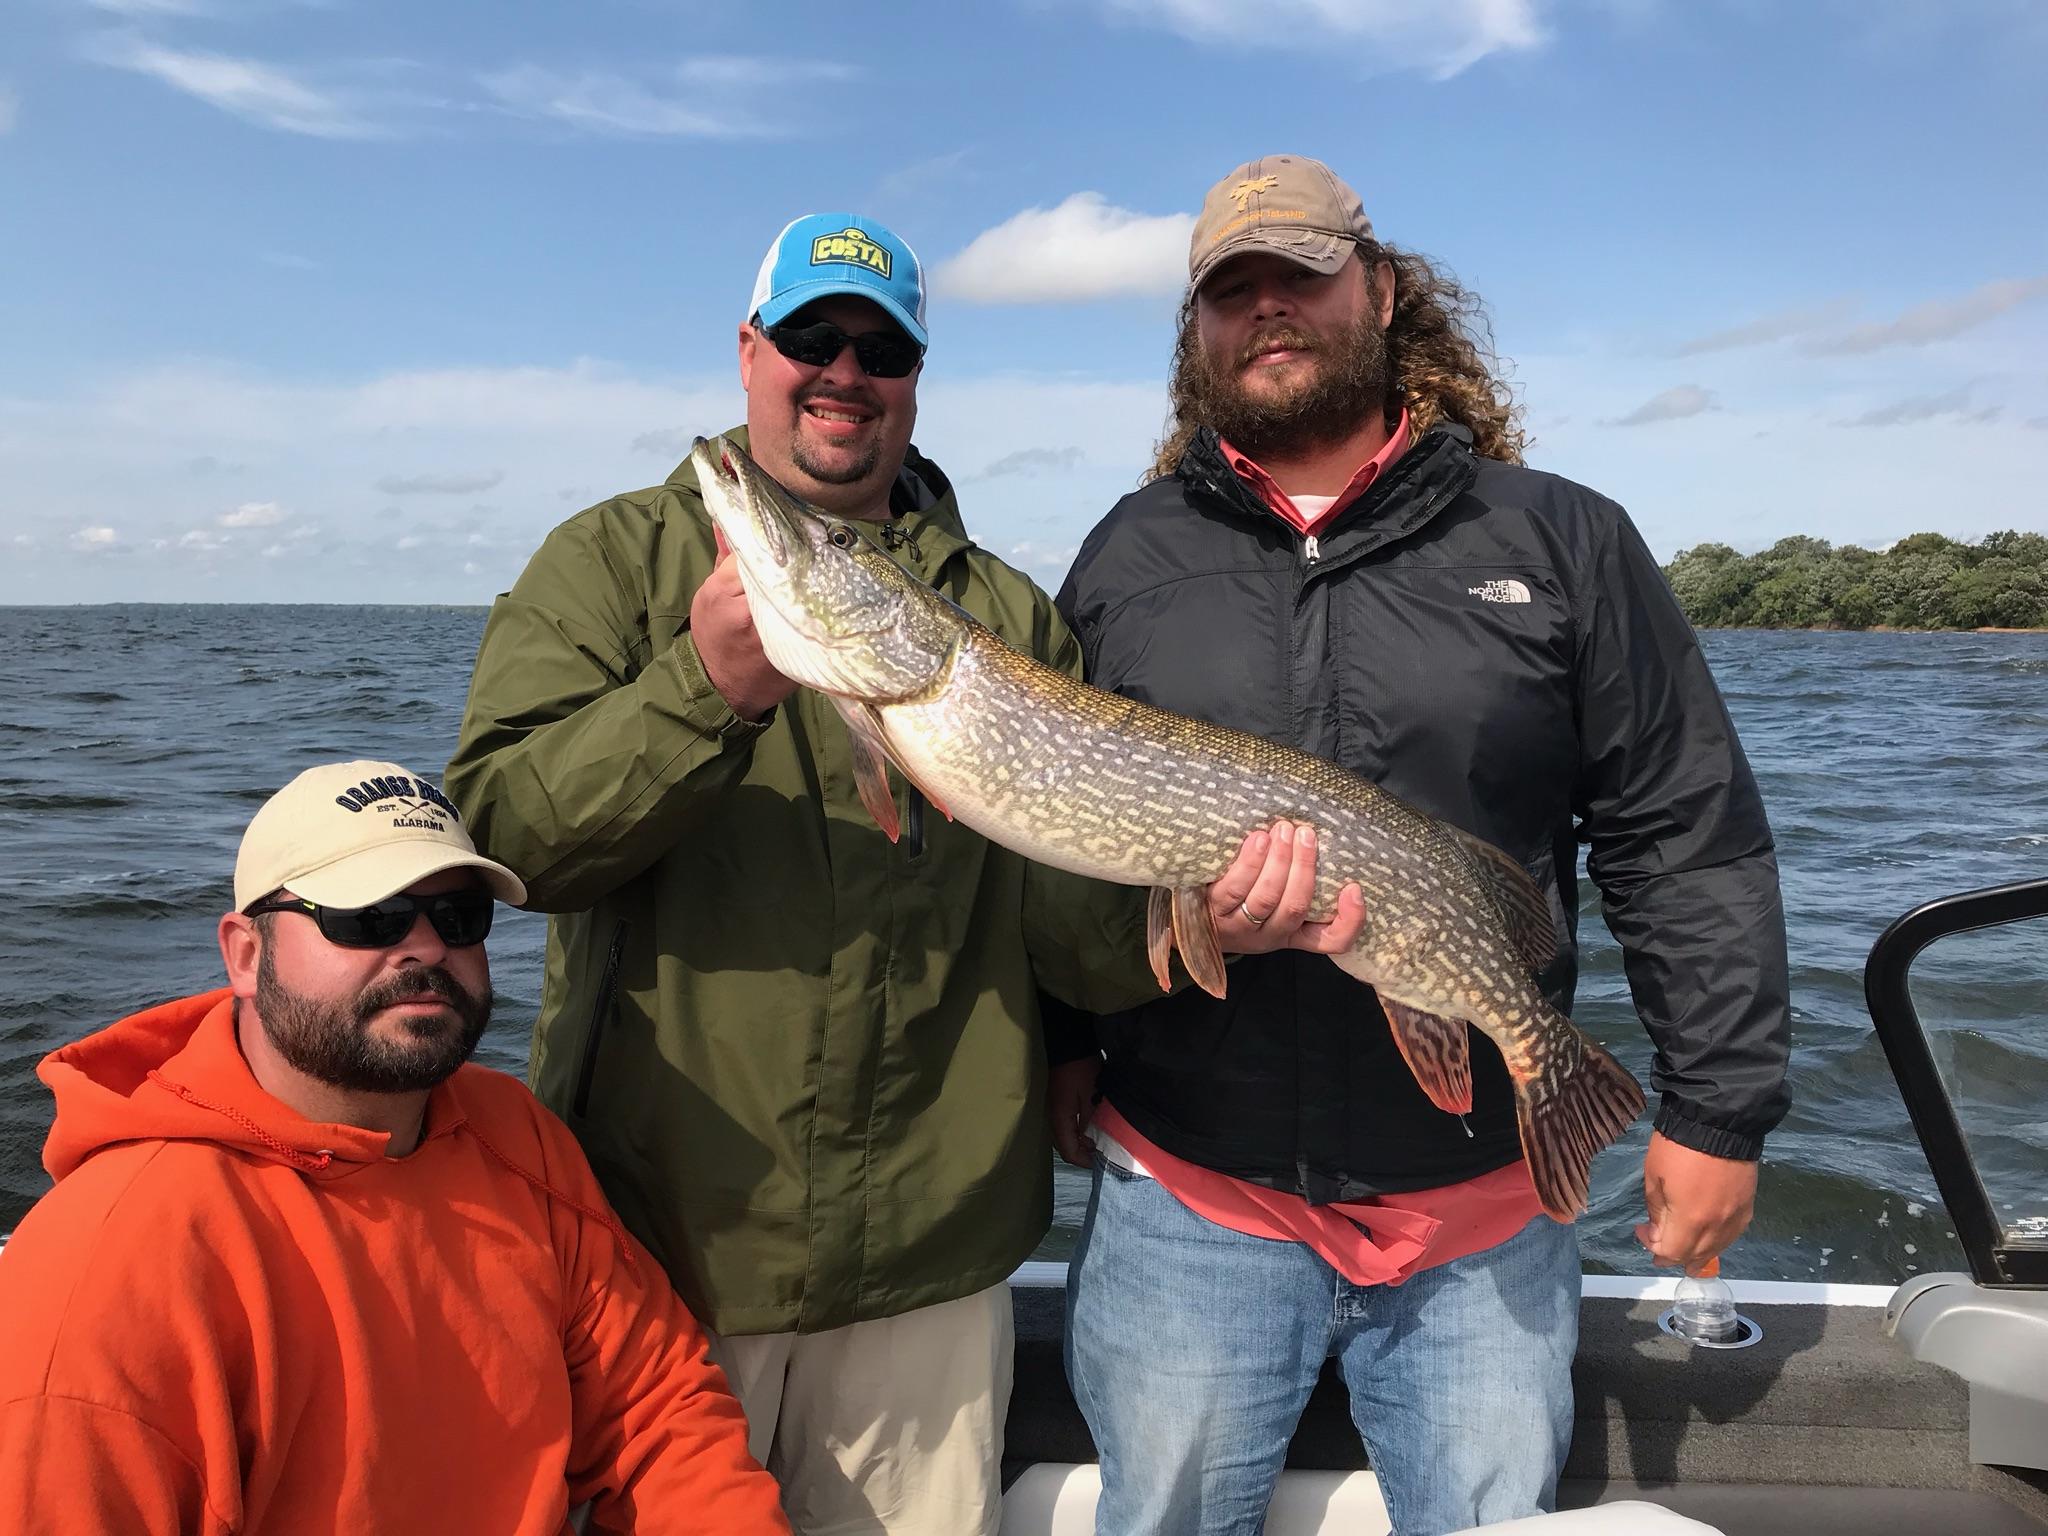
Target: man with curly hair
point(1339, 548)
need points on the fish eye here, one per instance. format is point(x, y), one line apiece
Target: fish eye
point(844, 536)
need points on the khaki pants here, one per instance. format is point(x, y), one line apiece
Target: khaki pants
point(885, 1428)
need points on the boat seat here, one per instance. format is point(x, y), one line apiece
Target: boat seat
point(1630, 1517)
point(1997, 1341)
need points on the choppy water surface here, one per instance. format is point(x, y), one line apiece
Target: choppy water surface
point(136, 742)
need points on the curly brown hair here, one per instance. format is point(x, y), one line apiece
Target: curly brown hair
point(1439, 343)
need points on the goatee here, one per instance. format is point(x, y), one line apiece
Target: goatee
point(826, 472)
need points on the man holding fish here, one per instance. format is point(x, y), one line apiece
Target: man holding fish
point(790, 1008)
point(1361, 568)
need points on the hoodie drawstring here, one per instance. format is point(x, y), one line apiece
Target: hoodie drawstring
point(604, 1218)
point(305, 1162)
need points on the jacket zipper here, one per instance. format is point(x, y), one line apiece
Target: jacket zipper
point(1312, 549)
point(607, 994)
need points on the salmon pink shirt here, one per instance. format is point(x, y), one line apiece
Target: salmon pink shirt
point(1311, 514)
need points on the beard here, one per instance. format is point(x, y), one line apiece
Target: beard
point(330, 1040)
point(836, 471)
point(1349, 377)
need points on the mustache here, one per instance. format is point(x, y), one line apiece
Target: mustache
point(1274, 337)
point(410, 985)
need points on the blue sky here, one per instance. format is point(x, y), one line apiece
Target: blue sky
point(354, 299)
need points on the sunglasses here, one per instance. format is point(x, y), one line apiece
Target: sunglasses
point(882, 354)
point(461, 918)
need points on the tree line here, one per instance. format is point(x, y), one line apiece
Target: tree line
point(1925, 581)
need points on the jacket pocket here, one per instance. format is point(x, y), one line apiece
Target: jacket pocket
point(600, 1015)
point(914, 823)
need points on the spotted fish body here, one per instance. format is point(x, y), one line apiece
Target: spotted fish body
point(1108, 787)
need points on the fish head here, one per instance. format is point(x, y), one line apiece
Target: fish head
point(834, 612)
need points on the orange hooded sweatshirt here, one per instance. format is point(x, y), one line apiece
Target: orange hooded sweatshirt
point(229, 1318)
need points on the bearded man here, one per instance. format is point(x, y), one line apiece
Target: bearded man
point(304, 1271)
point(1340, 549)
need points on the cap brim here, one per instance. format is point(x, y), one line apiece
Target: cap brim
point(1316, 249)
point(790, 300)
point(374, 873)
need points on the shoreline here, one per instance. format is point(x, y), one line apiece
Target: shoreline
point(1873, 629)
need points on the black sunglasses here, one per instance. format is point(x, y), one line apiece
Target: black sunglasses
point(462, 918)
point(882, 354)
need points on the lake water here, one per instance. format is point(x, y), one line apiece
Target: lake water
point(137, 741)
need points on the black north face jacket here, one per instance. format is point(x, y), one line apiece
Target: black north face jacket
point(1497, 647)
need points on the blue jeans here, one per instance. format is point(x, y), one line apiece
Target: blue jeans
point(1192, 1349)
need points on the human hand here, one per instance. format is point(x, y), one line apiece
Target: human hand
point(1697, 1204)
point(728, 644)
point(1070, 1100)
point(1261, 902)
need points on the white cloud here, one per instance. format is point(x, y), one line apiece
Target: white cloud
point(563, 437)
point(152, 7)
point(669, 442)
point(1086, 248)
point(247, 88)
point(717, 97)
point(96, 539)
point(254, 514)
point(1955, 403)
point(922, 176)
point(1440, 37)
point(1780, 326)
point(315, 448)
point(10, 109)
point(1670, 405)
point(439, 485)
point(759, 72)
point(1033, 461)
point(1935, 321)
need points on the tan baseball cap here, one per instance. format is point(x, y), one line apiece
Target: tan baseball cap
point(1289, 205)
point(348, 834)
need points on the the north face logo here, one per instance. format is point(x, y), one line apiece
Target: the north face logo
point(1509, 591)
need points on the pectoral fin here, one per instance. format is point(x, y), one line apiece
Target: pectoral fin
point(1437, 1051)
point(1159, 934)
point(870, 752)
point(1195, 932)
point(870, 765)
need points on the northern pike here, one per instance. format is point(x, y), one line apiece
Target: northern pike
point(1108, 787)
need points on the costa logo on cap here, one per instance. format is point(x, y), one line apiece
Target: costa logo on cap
point(825, 254)
point(854, 248)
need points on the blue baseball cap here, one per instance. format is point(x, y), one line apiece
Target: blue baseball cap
point(826, 253)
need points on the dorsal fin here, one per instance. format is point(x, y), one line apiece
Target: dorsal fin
point(1524, 910)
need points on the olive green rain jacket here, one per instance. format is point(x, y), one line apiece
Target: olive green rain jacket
point(805, 1062)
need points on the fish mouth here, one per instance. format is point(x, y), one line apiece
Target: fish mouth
point(736, 491)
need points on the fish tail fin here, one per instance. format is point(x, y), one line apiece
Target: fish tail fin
point(1567, 1119)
